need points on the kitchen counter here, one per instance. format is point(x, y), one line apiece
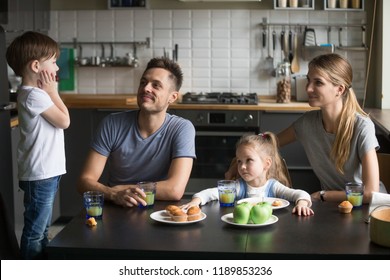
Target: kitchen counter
point(128, 101)
point(98, 101)
point(381, 117)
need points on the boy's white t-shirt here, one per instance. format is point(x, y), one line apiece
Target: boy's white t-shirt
point(41, 149)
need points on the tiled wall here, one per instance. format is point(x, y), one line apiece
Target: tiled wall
point(219, 50)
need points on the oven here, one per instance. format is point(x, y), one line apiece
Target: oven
point(217, 132)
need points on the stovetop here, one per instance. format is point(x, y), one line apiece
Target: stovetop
point(220, 98)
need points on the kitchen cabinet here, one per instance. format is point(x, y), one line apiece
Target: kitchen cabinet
point(301, 173)
point(25, 15)
point(17, 192)
point(20, 15)
point(42, 15)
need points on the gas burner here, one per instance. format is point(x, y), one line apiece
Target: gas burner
point(220, 98)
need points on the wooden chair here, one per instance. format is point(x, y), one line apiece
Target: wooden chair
point(384, 169)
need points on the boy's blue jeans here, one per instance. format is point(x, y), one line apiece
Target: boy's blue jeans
point(38, 207)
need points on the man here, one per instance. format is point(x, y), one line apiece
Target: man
point(144, 145)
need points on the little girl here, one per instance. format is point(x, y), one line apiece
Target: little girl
point(260, 167)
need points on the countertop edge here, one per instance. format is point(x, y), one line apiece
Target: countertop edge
point(128, 101)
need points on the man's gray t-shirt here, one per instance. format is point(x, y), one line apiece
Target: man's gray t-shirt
point(131, 158)
point(318, 143)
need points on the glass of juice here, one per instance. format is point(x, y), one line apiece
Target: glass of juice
point(149, 188)
point(227, 192)
point(93, 204)
point(355, 193)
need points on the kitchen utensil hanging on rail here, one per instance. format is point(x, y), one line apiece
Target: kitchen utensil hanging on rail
point(295, 61)
point(273, 71)
point(270, 58)
point(290, 46)
point(282, 45)
point(309, 37)
point(264, 58)
point(285, 47)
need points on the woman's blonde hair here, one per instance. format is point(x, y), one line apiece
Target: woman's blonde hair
point(267, 144)
point(339, 72)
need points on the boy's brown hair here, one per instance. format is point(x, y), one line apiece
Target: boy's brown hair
point(28, 47)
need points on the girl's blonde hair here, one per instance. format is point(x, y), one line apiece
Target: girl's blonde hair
point(339, 72)
point(267, 145)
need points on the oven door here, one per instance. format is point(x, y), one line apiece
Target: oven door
point(215, 151)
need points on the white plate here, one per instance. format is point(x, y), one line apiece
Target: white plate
point(163, 217)
point(255, 200)
point(228, 218)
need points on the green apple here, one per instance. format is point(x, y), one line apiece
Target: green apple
point(241, 214)
point(247, 204)
point(261, 212)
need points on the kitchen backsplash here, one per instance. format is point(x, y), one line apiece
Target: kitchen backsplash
point(219, 50)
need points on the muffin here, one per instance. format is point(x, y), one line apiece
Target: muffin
point(194, 213)
point(345, 207)
point(171, 208)
point(179, 216)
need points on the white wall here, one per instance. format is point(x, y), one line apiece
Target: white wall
point(219, 50)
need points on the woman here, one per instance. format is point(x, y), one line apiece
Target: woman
point(339, 139)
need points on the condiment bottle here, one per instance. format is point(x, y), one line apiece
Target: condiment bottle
point(283, 83)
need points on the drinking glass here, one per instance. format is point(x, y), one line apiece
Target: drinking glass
point(93, 203)
point(227, 192)
point(355, 193)
point(149, 188)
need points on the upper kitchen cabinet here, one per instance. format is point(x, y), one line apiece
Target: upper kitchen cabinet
point(20, 15)
point(344, 5)
point(26, 15)
point(41, 15)
point(294, 4)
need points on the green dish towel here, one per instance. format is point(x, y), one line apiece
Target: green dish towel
point(66, 73)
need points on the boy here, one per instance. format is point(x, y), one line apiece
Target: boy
point(42, 118)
